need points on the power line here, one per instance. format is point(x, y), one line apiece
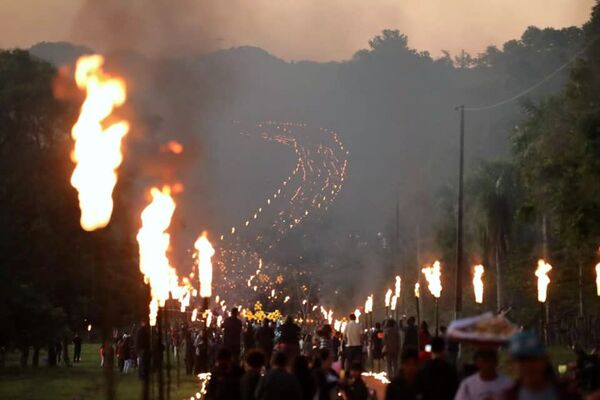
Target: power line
point(536, 85)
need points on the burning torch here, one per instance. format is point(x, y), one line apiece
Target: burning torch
point(433, 276)
point(478, 272)
point(388, 299)
point(542, 291)
point(397, 286)
point(417, 295)
point(369, 311)
point(205, 273)
point(598, 279)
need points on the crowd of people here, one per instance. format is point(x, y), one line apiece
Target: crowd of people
point(264, 360)
point(284, 361)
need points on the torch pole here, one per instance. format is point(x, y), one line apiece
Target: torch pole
point(459, 220)
point(437, 317)
point(543, 334)
point(418, 312)
point(168, 342)
point(100, 240)
point(205, 304)
point(387, 312)
point(178, 351)
point(159, 353)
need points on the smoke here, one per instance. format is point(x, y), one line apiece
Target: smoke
point(153, 44)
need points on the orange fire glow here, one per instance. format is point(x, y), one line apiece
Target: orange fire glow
point(397, 286)
point(369, 304)
point(154, 241)
point(97, 152)
point(417, 290)
point(388, 297)
point(205, 269)
point(598, 279)
point(357, 313)
point(478, 271)
point(394, 302)
point(433, 275)
point(543, 280)
point(173, 147)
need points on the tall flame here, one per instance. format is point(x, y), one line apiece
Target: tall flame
point(394, 302)
point(388, 297)
point(417, 290)
point(97, 152)
point(543, 280)
point(357, 314)
point(397, 286)
point(598, 279)
point(154, 241)
point(369, 304)
point(433, 276)
point(205, 269)
point(478, 271)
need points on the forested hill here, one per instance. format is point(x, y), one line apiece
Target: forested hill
point(392, 104)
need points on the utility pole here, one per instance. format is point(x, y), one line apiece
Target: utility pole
point(459, 222)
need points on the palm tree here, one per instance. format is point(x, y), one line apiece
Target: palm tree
point(494, 188)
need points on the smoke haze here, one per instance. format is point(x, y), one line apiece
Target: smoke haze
point(301, 29)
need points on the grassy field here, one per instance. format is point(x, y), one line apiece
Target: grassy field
point(83, 381)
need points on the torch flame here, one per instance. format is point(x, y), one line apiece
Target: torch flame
point(173, 147)
point(543, 280)
point(433, 276)
point(394, 302)
point(97, 152)
point(478, 283)
point(388, 297)
point(417, 290)
point(357, 314)
point(397, 286)
point(598, 279)
point(369, 304)
point(205, 269)
point(153, 241)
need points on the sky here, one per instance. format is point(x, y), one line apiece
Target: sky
point(321, 30)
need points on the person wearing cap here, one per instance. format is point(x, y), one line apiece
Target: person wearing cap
point(486, 383)
point(535, 377)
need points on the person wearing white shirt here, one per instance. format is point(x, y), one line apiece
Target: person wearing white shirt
point(353, 338)
point(486, 384)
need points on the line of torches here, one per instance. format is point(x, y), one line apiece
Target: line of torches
point(97, 154)
point(433, 274)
